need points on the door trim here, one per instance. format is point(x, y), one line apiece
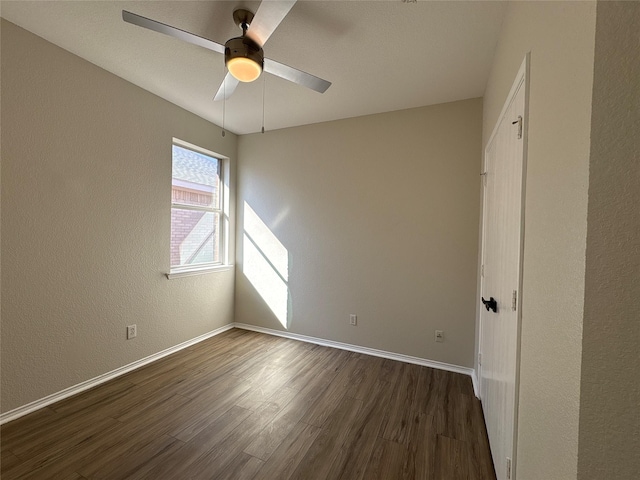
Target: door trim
point(523, 76)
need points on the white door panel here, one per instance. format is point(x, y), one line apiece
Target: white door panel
point(501, 258)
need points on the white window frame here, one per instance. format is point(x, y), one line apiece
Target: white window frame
point(222, 209)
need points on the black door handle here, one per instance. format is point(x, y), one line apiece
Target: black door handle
point(491, 304)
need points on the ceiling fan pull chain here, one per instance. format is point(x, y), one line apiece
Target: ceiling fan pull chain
point(264, 82)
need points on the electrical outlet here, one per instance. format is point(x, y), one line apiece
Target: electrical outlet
point(132, 331)
point(353, 319)
point(439, 336)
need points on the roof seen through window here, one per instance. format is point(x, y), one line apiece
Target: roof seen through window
point(194, 167)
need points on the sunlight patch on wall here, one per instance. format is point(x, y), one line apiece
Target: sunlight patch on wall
point(266, 264)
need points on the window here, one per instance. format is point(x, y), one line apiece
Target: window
point(197, 214)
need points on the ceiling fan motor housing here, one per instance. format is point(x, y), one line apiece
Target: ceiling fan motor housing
point(243, 47)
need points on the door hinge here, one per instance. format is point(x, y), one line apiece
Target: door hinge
point(508, 468)
point(479, 359)
point(514, 301)
point(482, 270)
point(519, 122)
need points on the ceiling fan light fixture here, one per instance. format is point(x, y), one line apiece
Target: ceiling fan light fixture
point(244, 69)
point(244, 59)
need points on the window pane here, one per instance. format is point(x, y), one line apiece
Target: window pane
point(195, 237)
point(196, 178)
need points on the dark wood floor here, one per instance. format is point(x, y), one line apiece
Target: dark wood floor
point(244, 405)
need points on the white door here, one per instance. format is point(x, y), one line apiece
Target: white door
point(501, 277)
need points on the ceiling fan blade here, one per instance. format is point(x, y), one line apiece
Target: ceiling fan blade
point(227, 87)
point(269, 15)
point(296, 76)
point(144, 22)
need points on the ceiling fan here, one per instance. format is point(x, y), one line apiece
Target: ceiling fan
point(243, 55)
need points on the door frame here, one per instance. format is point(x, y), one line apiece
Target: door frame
point(522, 77)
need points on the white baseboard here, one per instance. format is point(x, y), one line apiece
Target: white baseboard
point(93, 382)
point(366, 350)
point(474, 380)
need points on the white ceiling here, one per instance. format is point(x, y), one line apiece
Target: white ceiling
point(380, 55)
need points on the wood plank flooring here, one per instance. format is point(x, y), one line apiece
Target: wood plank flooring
point(244, 405)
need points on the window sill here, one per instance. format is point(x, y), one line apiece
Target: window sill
point(197, 271)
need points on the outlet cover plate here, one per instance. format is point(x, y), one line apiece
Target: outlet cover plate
point(132, 331)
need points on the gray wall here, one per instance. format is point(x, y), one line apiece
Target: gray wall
point(376, 216)
point(610, 387)
point(86, 178)
point(560, 37)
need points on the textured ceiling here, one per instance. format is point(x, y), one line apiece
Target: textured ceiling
point(380, 55)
